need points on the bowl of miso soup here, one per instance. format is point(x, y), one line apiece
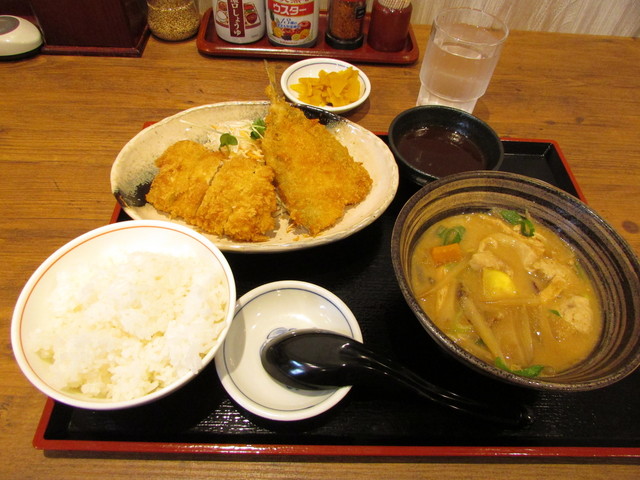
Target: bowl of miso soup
point(520, 281)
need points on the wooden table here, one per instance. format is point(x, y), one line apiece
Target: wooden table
point(63, 120)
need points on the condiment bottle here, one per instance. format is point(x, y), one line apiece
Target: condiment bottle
point(293, 23)
point(239, 21)
point(389, 26)
point(345, 21)
point(173, 19)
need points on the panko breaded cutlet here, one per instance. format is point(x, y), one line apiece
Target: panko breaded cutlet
point(221, 195)
point(240, 201)
point(316, 176)
point(186, 169)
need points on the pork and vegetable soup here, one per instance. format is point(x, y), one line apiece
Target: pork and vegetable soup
point(507, 290)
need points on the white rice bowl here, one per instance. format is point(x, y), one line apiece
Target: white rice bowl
point(123, 315)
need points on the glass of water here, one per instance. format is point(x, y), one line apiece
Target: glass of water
point(463, 50)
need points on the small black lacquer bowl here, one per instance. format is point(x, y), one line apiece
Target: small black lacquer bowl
point(605, 256)
point(433, 141)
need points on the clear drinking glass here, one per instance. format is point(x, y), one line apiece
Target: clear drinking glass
point(461, 55)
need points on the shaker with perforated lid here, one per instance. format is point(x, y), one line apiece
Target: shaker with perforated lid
point(345, 20)
point(389, 27)
point(173, 19)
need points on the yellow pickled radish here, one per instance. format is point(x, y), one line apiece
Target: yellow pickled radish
point(329, 88)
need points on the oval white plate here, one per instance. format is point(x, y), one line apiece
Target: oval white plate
point(263, 313)
point(134, 167)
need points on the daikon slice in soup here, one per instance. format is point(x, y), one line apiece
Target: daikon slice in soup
point(508, 290)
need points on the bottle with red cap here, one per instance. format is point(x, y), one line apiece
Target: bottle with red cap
point(389, 25)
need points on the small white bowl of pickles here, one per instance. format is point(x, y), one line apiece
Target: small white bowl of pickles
point(328, 83)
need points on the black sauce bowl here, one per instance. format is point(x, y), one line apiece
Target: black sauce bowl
point(461, 132)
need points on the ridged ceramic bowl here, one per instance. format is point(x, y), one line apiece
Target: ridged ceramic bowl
point(607, 258)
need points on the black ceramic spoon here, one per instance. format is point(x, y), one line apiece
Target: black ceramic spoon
point(317, 359)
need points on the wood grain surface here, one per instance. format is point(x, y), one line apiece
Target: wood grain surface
point(63, 120)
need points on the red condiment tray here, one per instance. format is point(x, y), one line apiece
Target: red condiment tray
point(209, 43)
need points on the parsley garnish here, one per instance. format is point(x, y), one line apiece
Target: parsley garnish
point(258, 128)
point(227, 139)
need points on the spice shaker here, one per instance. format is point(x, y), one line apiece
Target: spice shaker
point(239, 21)
point(345, 21)
point(293, 23)
point(389, 26)
point(173, 19)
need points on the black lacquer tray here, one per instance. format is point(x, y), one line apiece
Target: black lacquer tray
point(378, 421)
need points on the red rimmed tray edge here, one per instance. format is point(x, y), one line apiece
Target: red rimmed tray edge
point(299, 451)
point(265, 450)
point(564, 161)
point(264, 49)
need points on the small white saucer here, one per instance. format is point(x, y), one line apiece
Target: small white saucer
point(263, 313)
point(311, 67)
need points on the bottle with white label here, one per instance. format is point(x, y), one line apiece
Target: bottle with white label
point(293, 23)
point(239, 21)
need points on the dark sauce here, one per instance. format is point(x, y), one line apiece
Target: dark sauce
point(439, 151)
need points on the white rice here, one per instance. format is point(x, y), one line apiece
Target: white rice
point(131, 324)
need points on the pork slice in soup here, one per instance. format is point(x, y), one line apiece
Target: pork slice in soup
point(507, 290)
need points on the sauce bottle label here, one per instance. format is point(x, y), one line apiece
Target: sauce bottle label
point(292, 22)
point(239, 21)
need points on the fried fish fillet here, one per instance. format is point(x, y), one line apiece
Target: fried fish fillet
point(186, 169)
point(232, 196)
point(240, 202)
point(315, 175)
